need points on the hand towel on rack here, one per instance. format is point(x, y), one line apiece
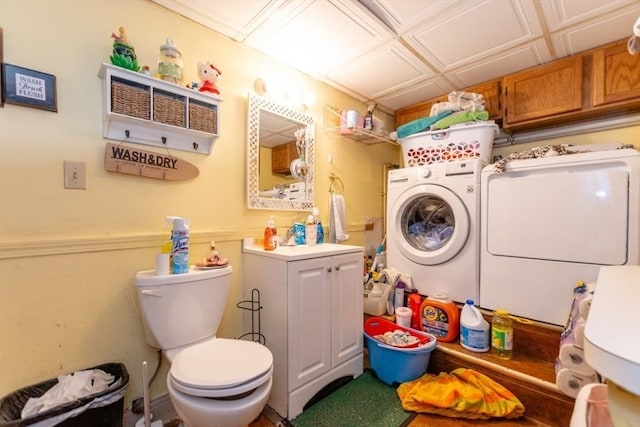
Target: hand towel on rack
point(337, 219)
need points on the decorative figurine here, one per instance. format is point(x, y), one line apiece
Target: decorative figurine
point(170, 62)
point(209, 76)
point(124, 55)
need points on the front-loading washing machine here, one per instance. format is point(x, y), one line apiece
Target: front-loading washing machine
point(433, 227)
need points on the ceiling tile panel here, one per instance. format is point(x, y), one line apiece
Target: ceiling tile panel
point(404, 14)
point(415, 93)
point(503, 63)
point(316, 36)
point(235, 19)
point(473, 31)
point(562, 13)
point(381, 70)
point(607, 29)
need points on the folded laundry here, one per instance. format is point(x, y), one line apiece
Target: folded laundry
point(459, 118)
point(420, 125)
point(390, 275)
point(463, 393)
point(467, 101)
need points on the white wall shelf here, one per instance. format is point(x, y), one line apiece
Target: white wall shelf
point(332, 125)
point(142, 109)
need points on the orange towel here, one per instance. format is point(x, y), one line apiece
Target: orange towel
point(464, 393)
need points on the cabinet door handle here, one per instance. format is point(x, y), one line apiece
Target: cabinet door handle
point(329, 269)
point(338, 268)
point(152, 292)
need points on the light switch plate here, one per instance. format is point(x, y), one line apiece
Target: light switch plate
point(75, 175)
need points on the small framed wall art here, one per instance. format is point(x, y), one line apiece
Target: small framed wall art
point(29, 88)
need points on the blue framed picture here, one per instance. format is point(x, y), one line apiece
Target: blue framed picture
point(29, 88)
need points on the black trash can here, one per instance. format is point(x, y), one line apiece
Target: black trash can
point(104, 409)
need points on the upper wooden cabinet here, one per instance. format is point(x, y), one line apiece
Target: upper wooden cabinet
point(600, 82)
point(490, 90)
point(282, 156)
point(416, 111)
point(543, 91)
point(616, 75)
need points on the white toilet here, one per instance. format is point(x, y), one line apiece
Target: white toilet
point(212, 381)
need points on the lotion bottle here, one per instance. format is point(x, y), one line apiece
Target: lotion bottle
point(311, 231)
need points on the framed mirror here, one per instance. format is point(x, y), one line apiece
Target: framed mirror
point(280, 154)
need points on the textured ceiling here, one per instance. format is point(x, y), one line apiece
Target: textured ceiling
point(399, 52)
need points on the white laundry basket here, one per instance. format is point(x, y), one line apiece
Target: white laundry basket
point(472, 140)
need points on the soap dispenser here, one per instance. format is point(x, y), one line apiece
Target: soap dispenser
point(319, 229)
point(270, 235)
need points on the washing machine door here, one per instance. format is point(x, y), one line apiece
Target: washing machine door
point(430, 224)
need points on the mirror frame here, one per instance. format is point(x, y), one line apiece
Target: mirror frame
point(256, 105)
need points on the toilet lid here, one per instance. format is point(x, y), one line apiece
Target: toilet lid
point(221, 364)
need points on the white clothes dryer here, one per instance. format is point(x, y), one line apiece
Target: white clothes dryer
point(548, 223)
point(433, 227)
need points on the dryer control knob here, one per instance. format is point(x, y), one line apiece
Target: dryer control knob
point(425, 173)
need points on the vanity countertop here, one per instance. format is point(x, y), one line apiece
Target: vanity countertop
point(298, 252)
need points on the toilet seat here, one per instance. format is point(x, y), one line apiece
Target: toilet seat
point(221, 368)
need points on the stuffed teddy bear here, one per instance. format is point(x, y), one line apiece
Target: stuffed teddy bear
point(209, 76)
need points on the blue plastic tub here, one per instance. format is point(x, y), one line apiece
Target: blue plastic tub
point(395, 365)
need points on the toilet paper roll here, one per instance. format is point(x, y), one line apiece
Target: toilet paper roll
point(162, 264)
point(570, 382)
point(585, 306)
point(571, 356)
point(578, 332)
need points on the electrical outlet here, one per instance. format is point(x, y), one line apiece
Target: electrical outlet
point(75, 175)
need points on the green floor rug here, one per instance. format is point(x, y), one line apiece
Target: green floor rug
point(365, 401)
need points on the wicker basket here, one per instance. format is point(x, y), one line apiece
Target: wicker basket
point(130, 100)
point(168, 109)
point(203, 118)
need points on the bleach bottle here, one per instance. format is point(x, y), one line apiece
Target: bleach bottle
point(474, 330)
point(180, 244)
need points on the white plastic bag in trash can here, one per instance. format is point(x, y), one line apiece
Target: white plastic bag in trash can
point(70, 388)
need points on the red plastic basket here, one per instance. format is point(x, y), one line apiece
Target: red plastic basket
point(378, 326)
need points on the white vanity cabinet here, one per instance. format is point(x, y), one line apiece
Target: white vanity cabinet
point(311, 317)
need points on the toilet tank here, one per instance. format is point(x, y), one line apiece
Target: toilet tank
point(181, 309)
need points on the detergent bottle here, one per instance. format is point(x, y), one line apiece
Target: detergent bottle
point(180, 244)
point(474, 330)
point(440, 317)
point(414, 301)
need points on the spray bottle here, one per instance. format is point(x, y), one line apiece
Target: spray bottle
point(180, 244)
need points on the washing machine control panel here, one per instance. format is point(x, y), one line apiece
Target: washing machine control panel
point(424, 173)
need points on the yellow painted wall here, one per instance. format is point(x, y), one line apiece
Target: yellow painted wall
point(68, 258)
point(626, 135)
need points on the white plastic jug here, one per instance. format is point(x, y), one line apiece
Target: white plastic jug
point(474, 330)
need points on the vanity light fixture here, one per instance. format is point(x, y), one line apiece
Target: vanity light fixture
point(291, 96)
